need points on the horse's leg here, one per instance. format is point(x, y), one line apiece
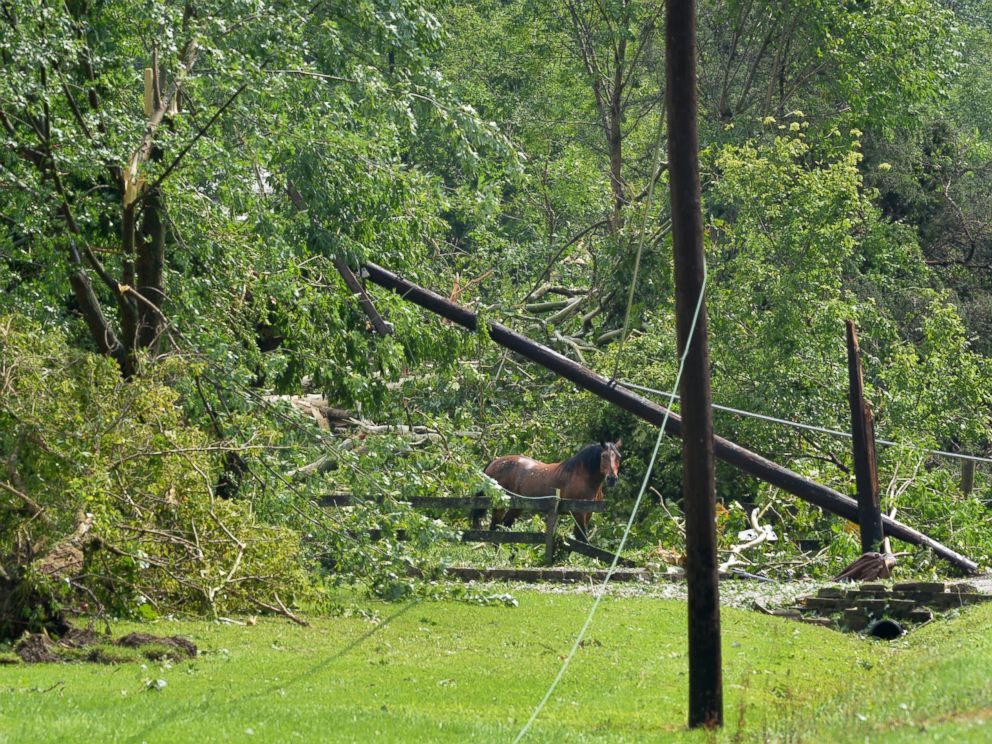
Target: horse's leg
point(497, 520)
point(582, 519)
point(475, 515)
point(511, 517)
point(581, 531)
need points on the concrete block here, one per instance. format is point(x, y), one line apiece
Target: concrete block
point(920, 586)
point(874, 588)
point(859, 594)
point(832, 592)
point(825, 604)
point(855, 619)
point(900, 608)
point(962, 588)
point(875, 607)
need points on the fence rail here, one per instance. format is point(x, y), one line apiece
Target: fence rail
point(550, 506)
point(540, 504)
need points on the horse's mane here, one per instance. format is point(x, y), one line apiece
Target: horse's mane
point(587, 459)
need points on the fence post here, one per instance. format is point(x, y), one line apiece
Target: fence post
point(967, 477)
point(549, 540)
point(863, 433)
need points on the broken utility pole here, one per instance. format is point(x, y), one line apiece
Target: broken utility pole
point(863, 435)
point(376, 321)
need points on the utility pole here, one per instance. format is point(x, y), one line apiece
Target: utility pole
point(698, 475)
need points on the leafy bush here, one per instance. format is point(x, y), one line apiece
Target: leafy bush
point(78, 443)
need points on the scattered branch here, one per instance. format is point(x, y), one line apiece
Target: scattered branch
point(282, 610)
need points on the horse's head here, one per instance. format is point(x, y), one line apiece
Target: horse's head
point(609, 462)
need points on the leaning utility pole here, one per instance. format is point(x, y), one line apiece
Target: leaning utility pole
point(698, 476)
point(750, 462)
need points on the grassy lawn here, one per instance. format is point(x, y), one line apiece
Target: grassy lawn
point(443, 671)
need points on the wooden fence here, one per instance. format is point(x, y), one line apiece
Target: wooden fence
point(549, 506)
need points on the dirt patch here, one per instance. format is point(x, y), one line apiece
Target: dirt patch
point(176, 647)
point(36, 648)
point(82, 637)
point(85, 644)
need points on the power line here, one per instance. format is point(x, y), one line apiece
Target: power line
point(811, 427)
point(630, 523)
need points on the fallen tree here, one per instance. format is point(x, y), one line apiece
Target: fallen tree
point(750, 462)
point(31, 579)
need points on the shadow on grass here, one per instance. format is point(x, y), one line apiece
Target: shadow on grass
point(318, 667)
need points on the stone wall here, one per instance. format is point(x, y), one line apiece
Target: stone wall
point(909, 603)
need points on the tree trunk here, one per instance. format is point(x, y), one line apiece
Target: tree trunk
point(149, 268)
point(615, 138)
point(863, 439)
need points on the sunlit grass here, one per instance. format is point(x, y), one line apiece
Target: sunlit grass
point(446, 671)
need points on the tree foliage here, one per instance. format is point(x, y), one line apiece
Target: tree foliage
point(508, 155)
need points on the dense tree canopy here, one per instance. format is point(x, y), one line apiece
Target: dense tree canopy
point(182, 184)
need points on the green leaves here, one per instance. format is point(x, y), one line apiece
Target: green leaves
point(874, 64)
point(79, 441)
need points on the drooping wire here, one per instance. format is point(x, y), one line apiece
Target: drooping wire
point(627, 529)
point(812, 427)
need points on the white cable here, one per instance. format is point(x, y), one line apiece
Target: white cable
point(630, 523)
point(811, 427)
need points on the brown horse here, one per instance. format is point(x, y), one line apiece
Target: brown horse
point(579, 477)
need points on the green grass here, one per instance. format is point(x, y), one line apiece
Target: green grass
point(443, 671)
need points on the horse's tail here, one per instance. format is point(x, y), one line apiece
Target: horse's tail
point(476, 514)
point(499, 512)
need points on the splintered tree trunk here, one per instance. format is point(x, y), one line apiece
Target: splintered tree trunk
point(698, 474)
point(27, 605)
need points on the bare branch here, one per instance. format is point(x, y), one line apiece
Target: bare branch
point(282, 610)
